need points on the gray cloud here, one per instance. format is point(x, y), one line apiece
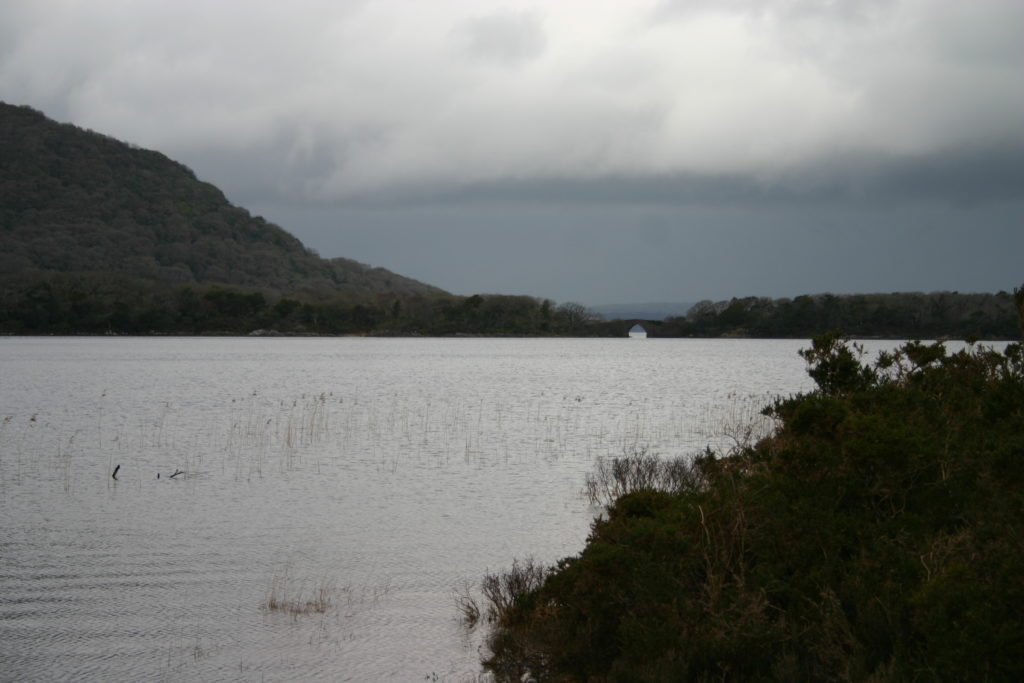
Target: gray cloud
point(749, 89)
point(970, 176)
point(359, 125)
point(508, 38)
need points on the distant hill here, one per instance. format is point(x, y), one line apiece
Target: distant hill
point(648, 311)
point(76, 201)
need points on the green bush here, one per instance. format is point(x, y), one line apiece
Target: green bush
point(875, 535)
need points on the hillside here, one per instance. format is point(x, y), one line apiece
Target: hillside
point(76, 201)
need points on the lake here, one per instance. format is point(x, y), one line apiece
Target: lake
point(307, 509)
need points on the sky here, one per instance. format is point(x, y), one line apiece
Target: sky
point(594, 151)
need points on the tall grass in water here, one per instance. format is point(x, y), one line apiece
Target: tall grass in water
point(467, 605)
point(738, 424)
point(285, 596)
point(3, 428)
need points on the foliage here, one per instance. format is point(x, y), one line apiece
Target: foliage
point(613, 478)
point(895, 316)
point(74, 201)
point(875, 535)
point(39, 302)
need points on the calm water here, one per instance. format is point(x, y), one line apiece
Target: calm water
point(388, 472)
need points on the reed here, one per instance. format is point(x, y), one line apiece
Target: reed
point(467, 605)
point(737, 424)
point(284, 596)
point(3, 428)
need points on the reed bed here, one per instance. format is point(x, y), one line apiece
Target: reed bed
point(299, 597)
point(257, 436)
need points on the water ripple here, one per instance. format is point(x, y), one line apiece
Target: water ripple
point(378, 475)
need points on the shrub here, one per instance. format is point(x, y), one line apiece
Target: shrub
point(875, 535)
point(613, 478)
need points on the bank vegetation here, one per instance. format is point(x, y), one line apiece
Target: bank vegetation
point(875, 535)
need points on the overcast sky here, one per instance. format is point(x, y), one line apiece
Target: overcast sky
point(581, 150)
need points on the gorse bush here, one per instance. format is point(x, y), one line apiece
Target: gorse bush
point(875, 535)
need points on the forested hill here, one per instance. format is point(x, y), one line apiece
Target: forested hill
point(76, 201)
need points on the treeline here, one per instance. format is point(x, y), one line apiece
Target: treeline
point(41, 302)
point(103, 303)
point(896, 316)
point(874, 536)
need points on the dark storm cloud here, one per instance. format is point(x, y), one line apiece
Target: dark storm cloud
point(969, 176)
point(600, 253)
point(631, 135)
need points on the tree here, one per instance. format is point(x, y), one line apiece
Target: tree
point(574, 316)
point(1018, 300)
